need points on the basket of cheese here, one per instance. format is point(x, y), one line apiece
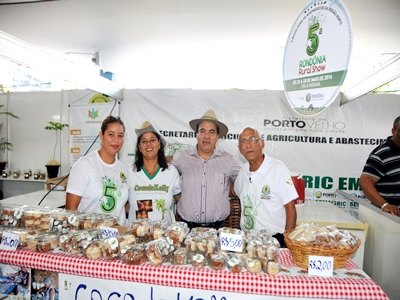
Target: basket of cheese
point(312, 239)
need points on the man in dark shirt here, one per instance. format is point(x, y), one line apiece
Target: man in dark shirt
point(380, 179)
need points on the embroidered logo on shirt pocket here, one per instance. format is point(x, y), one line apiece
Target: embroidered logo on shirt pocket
point(266, 192)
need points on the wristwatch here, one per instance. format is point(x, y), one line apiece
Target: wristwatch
point(384, 205)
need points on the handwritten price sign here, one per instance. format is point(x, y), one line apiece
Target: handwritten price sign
point(231, 242)
point(107, 232)
point(9, 241)
point(320, 265)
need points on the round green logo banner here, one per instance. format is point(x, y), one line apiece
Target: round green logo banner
point(316, 56)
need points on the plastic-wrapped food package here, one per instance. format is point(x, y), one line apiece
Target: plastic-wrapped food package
point(233, 262)
point(23, 234)
point(157, 229)
point(140, 229)
point(87, 221)
point(135, 255)
point(252, 265)
point(159, 251)
point(126, 241)
point(177, 231)
point(204, 242)
point(51, 238)
point(105, 220)
point(180, 256)
point(253, 243)
point(94, 250)
point(12, 216)
point(64, 221)
point(216, 261)
point(111, 247)
point(37, 218)
point(74, 242)
point(198, 260)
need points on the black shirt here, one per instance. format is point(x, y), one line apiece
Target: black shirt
point(384, 164)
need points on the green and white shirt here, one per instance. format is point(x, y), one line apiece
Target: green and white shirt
point(151, 197)
point(103, 187)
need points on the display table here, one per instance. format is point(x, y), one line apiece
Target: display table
point(15, 186)
point(54, 199)
point(382, 245)
point(325, 213)
point(348, 283)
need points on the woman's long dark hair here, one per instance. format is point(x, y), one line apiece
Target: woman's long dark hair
point(162, 161)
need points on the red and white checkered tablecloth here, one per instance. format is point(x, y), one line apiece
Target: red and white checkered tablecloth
point(300, 285)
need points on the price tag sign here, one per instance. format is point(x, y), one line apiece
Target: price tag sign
point(107, 232)
point(231, 242)
point(9, 241)
point(320, 265)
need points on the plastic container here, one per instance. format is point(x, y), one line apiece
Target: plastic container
point(252, 265)
point(111, 247)
point(94, 250)
point(216, 261)
point(23, 233)
point(105, 220)
point(135, 255)
point(180, 256)
point(203, 242)
point(159, 251)
point(64, 221)
point(140, 229)
point(234, 263)
point(126, 241)
point(157, 229)
point(198, 260)
point(87, 221)
point(11, 216)
point(74, 242)
point(38, 219)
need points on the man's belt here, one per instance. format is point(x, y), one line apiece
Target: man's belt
point(216, 224)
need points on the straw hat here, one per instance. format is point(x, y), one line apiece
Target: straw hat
point(147, 127)
point(210, 115)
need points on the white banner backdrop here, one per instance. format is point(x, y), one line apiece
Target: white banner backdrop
point(329, 149)
point(84, 126)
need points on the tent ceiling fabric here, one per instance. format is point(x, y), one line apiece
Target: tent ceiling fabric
point(194, 44)
point(25, 54)
point(387, 72)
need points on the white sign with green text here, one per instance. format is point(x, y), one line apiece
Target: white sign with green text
point(316, 56)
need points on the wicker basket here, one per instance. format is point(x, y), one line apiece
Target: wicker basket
point(300, 252)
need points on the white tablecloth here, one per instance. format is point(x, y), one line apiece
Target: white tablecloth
point(53, 199)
